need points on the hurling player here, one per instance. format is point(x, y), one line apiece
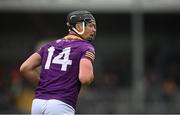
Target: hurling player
point(66, 64)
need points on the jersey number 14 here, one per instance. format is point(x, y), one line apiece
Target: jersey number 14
point(59, 59)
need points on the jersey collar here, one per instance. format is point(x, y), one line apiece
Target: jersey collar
point(72, 36)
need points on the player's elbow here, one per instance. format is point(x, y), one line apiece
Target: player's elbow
point(24, 69)
point(86, 79)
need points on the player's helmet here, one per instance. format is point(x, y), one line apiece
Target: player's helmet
point(79, 16)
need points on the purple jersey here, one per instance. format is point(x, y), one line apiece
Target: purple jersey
point(60, 68)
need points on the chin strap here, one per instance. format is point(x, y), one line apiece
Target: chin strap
point(77, 32)
point(80, 33)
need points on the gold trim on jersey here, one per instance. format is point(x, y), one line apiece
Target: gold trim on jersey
point(90, 55)
point(72, 37)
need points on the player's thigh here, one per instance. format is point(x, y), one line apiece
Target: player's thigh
point(38, 106)
point(55, 107)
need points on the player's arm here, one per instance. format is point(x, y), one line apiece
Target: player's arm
point(30, 68)
point(86, 75)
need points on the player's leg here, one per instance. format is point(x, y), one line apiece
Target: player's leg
point(38, 106)
point(56, 107)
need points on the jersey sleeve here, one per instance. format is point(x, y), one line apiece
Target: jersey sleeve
point(43, 47)
point(89, 53)
point(40, 51)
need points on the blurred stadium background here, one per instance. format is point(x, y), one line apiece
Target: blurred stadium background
point(137, 67)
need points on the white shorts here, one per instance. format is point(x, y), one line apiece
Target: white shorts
point(51, 107)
